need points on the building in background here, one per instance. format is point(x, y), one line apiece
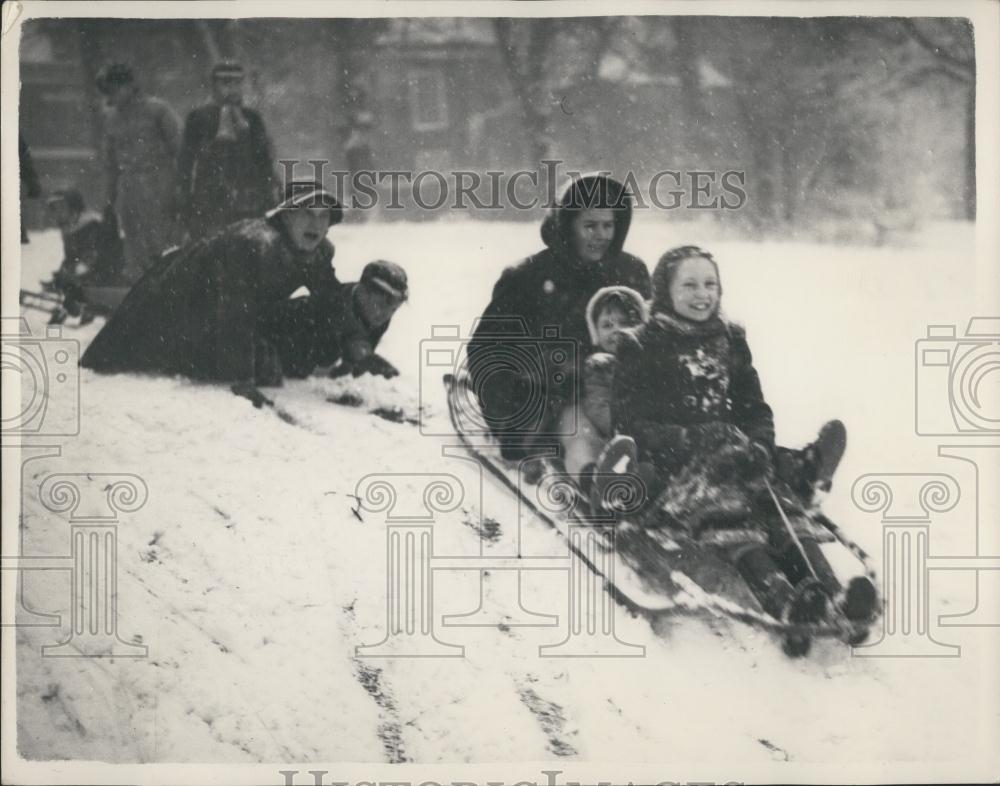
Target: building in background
point(819, 138)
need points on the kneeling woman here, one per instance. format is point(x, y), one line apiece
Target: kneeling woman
point(219, 309)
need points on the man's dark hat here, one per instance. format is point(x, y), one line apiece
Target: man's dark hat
point(227, 69)
point(114, 75)
point(387, 276)
point(308, 193)
point(72, 198)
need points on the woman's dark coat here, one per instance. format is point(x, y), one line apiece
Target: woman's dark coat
point(198, 311)
point(539, 307)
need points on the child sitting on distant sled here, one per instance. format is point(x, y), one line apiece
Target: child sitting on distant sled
point(588, 439)
point(704, 440)
point(92, 253)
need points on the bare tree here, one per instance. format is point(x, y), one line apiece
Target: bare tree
point(923, 50)
point(524, 44)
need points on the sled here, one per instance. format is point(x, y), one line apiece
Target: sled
point(660, 571)
point(93, 300)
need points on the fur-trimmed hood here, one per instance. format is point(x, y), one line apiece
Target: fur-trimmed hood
point(601, 294)
point(592, 189)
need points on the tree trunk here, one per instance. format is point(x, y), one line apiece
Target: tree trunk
point(525, 76)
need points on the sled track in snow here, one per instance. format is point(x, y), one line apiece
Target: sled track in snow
point(390, 731)
point(550, 717)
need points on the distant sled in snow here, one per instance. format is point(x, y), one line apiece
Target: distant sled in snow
point(663, 571)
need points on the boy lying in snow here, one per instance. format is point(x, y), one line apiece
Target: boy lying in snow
point(704, 436)
point(336, 333)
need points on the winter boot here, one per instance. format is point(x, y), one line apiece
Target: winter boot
point(534, 469)
point(859, 600)
point(809, 603)
point(793, 562)
point(618, 462)
point(810, 470)
point(764, 578)
point(781, 599)
point(823, 456)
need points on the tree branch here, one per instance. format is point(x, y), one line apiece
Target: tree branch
point(936, 49)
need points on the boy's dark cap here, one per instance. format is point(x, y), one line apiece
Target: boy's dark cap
point(308, 193)
point(71, 197)
point(387, 276)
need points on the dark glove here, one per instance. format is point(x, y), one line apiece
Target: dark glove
point(626, 343)
point(669, 445)
point(252, 394)
point(357, 351)
point(341, 369)
point(709, 437)
point(376, 365)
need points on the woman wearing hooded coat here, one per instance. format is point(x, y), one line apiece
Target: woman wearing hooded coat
point(531, 340)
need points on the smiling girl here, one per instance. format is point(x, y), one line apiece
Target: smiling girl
point(692, 400)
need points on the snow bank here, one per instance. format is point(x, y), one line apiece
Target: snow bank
point(251, 580)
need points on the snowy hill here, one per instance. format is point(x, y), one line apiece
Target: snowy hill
point(251, 579)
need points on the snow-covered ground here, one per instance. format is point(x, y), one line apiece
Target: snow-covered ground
point(251, 580)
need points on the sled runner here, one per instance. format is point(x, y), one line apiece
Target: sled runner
point(92, 301)
point(662, 569)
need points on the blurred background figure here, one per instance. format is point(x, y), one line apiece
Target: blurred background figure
point(813, 117)
point(225, 170)
point(92, 253)
point(31, 188)
point(141, 139)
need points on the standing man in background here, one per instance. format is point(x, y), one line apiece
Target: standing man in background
point(225, 171)
point(141, 139)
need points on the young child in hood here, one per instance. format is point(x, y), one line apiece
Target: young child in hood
point(613, 313)
point(692, 400)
